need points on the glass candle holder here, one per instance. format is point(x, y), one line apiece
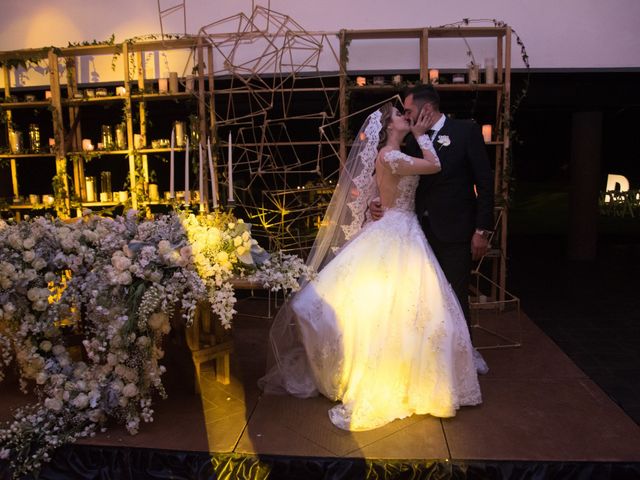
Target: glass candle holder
point(107, 137)
point(34, 137)
point(105, 186)
point(121, 136)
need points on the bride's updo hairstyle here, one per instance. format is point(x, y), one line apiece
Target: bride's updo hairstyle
point(387, 111)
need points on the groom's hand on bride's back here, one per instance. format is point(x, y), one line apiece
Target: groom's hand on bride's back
point(375, 209)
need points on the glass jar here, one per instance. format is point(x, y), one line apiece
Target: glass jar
point(106, 194)
point(194, 131)
point(107, 137)
point(34, 137)
point(121, 136)
point(15, 141)
point(179, 129)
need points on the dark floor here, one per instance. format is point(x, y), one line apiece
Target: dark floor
point(590, 309)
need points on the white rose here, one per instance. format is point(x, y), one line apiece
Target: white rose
point(28, 243)
point(164, 247)
point(120, 262)
point(112, 359)
point(143, 341)
point(81, 401)
point(237, 241)
point(130, 390)
point(58, 350)
point(39, 263)
point(50, 277)
point(124, 278)
point(45, 345)
point(96, 415)
point(53, 404)
point(28, 256)
point(41, 378)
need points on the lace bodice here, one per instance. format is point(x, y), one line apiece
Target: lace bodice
point(397, 191)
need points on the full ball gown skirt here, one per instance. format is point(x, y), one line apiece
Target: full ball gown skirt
point(383, 331)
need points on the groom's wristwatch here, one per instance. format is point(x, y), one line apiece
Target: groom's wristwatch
point(486, 234)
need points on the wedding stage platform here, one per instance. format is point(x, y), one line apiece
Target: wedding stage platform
point(542, 417)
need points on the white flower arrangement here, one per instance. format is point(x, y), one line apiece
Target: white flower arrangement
point(114, 283)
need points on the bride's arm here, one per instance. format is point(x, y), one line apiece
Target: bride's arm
point(403, 164)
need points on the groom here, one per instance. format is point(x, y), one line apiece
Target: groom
point(456, 221)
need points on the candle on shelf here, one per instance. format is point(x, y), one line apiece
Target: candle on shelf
point(214, 192)
point(173, 82)
point(397, 80)
point(230, 173)
point(90, 183)
point(187, 194)
point(179, 126)
point(52, 142)
point(121, 91)
point(361, 81)
point(489, 71)
point(172, 191)
point(137, 141)
point(163, 85)
point(47, 94)
point(434, 75)
point(486, 133)
point(154, 193)
point(200, 178)
point(86, 144)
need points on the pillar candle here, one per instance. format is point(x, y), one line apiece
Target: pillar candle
point(230, 173)
point(434, 75)
point(200, 178)
point(173, 82)
point(214, 192)
point(486, 133)
point(172, 191)
point(187, 193)
point(163, 85)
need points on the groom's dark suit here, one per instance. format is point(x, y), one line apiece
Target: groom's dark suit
point(446, 202)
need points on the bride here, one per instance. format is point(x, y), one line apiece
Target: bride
point(379, 329)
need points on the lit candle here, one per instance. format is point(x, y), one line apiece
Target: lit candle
point(434, 75)
point(486, 133)
point(163, 85)
point(47, 94)
point(361, 81)
point(90, 189)
point(86, 144)
point(200, 178)
point(214, 192)
point(172, 191)
point(229, 162)
point(187, 194)
point(121, 91)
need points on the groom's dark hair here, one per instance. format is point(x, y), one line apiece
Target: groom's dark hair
point(424, 93)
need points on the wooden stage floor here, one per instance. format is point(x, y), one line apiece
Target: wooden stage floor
point(538, 407)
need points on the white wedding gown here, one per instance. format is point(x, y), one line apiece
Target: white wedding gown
point(382, 329)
